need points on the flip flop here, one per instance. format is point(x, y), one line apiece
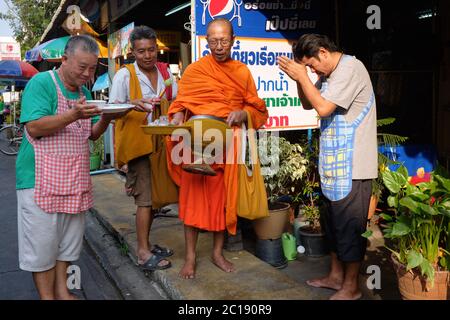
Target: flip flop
point(152, 264)
point(161, 251)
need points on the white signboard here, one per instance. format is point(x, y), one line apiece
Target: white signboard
point(265, 30)
point(274, 87)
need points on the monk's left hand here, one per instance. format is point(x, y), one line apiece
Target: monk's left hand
point(236, 118)
point(293, 69)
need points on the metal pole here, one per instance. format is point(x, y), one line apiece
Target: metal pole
point(310, 139)
point(13, 98)
point(97, 172)
point(111, 129)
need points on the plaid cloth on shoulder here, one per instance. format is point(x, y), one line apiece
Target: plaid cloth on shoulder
point(337, 141)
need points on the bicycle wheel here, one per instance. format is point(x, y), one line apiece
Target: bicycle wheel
point(10, 139)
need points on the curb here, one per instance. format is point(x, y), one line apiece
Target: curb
point(130, 281)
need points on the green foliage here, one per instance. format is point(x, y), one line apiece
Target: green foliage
point(385, 122)
point(312, 215)
point(123, 247)
point(29, 19)
point(310, 193)
point(287, 166)
point(367, 234)
point(388, 140)
point(96, 147)
point(421, 221)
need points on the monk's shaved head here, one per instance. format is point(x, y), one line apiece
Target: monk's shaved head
point(220, 37)
point(222, 22)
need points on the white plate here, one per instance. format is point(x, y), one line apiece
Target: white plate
point(97, 102)
point(115, 108)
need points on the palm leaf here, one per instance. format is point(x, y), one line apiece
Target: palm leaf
point(385, 122)
point(389, 139)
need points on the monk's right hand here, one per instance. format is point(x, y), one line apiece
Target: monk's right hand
point(178, 119)
point(142, 105)
point(81, 110)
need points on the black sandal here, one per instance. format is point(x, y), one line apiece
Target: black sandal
point(152, 264)
point(161, 252)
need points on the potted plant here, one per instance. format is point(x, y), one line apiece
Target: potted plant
point(96, 153)
point(386, 140)
point(418, 230)
point(288, 166)
point(311, 236)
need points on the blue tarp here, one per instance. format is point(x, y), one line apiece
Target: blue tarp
point(412, 157)
point(101, 83)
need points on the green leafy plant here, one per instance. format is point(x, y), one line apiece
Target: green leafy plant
point(287, 168)
point(387, 140)
point(312, 216)
point(420, 224)
point(310, 194)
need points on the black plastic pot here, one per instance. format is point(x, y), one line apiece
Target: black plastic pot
point(271, 251)
point(314, 243)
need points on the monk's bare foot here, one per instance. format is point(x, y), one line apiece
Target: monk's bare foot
point(327, 283)
point(188, 270)
point(223, 263)
point(345, 294)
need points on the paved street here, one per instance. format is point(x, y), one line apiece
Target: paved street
point(16, 284)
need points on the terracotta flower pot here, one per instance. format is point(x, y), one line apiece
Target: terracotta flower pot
point(413, 286)
point(273, 226)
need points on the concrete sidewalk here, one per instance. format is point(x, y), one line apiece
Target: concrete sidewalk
point(253, 279)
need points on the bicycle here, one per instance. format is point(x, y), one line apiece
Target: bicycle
point(11, 136)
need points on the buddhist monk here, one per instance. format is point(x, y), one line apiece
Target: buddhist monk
point(219, 86)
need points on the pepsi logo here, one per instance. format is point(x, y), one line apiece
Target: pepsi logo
point(220, 7)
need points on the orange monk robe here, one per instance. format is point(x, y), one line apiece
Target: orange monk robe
point(208, 87)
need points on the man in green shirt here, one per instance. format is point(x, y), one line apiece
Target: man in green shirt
point(54, 190)
point(39, 99)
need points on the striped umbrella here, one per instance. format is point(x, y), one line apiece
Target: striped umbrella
point(17, 73)
point(16, 69)
point(53, 50)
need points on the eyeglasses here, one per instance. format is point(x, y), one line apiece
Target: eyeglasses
point(215, 42)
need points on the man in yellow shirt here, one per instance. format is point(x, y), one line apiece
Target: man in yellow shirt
point(141, 83)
